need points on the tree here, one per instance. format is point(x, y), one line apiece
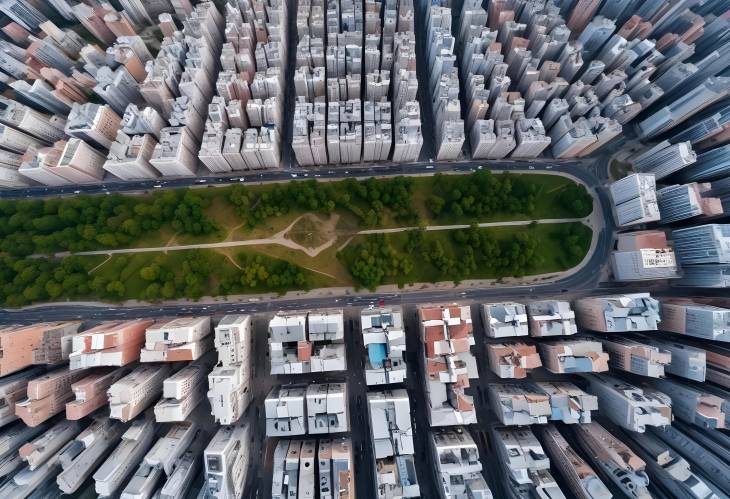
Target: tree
point(150, 272)
point(116, 288)
point(435, 204)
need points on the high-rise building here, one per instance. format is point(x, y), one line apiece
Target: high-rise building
point(129, 157)
point(137, 391)
point(606, 451)
point(229, 383)
point(176, 153)
point(683, 316)
point(294, 470)
point(702, 244)
point(631, 356)
point(80, 163)
point(115, 343)
point(664, 159)
point(634, 199)
point(307, 409)
point(680, 202)
point(227, 459)
point(643, 255)
point(47, 396)
point(94, 441)
point(90, 392)
point(184, 391)
point(96, 124)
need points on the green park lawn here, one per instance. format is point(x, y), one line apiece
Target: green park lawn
point(544, 252)
point(192, 216)
point(309, 213)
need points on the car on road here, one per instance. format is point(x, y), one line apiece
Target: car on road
point(530, 167)
point(201, 181)
point(157, 186)
point(77, 192)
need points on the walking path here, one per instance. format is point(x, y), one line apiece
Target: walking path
point(281, 239)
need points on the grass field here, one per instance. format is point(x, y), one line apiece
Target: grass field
point(549, 237)
point(192, 274)
point(225, 265)
point(233, 228)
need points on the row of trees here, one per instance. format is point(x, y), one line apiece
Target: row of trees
point(483, 193)
point(370, 200)
point(91, 222)
point(191, 275)
point(376, 261)
point(264, 274)
point(466, 253)
point(575, 239)
point(30, 280)
point(576, 200)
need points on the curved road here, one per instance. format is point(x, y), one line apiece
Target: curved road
point(584, 280)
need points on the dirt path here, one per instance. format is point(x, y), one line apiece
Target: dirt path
point(109, 257)
point(281, 239)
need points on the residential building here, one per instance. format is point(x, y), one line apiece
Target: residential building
point(551, 318)
point(307, 342)
point(457, 458)
point(184, 338)
point(504, 319)
point(522, 462)
point(630, 406)
point(618, 314)
point(392, 434)
point(685, 317)
point(573, 356)
point(229, 383)
point(446, 331)
point(512, 360)
point(385, 341)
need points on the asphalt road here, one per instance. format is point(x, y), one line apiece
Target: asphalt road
point(587, 278)
point(582, 169)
